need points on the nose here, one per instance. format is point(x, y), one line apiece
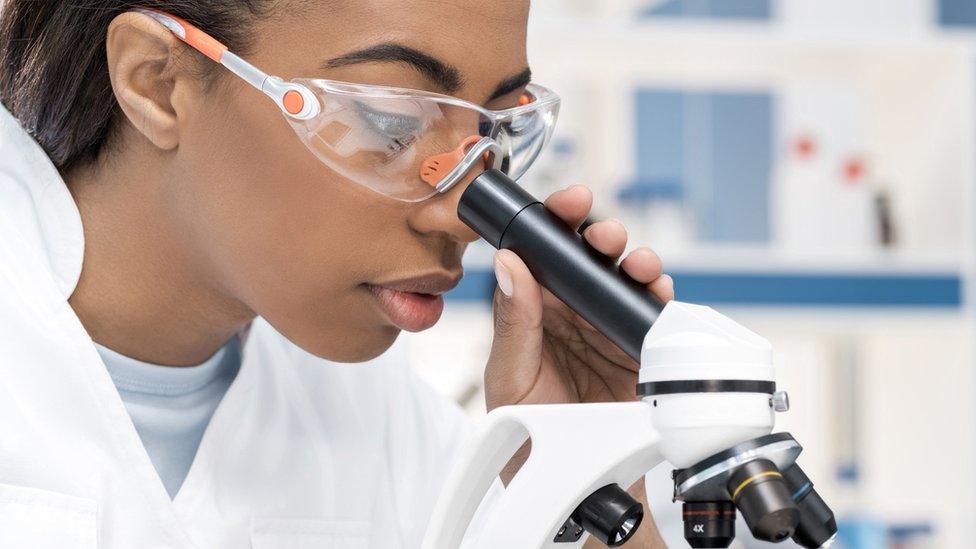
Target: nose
point(438, 214)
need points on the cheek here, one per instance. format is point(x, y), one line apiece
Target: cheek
point(283, 235)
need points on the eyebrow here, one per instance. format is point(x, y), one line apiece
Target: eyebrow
point(443, 75)
point(511, 84)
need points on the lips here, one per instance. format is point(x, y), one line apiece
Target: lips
point(414, 304)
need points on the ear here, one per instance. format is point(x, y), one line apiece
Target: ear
point(145, 77)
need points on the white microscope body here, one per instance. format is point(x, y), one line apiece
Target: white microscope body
point(579, 448)
point(708, 399)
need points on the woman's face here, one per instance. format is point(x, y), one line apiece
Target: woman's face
point(335, 267)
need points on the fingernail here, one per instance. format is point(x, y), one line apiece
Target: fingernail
point(504, 278)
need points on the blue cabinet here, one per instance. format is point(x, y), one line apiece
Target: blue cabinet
point(716, 9)
point(717, 147)
point(957, 13)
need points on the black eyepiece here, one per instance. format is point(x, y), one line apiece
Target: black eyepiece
point(817, 524)
point(709, 524)
point(610, 515)
point(590, 283)
point(761, 495)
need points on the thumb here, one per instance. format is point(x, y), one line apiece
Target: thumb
point(516, 349)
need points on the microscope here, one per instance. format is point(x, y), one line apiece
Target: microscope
point(707, 405)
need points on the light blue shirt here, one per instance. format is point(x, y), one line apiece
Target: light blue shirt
point(171, 406)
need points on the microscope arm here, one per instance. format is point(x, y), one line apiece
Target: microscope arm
point(559, 473)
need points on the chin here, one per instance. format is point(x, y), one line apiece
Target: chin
point(350, 346)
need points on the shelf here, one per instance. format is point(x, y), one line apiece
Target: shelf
point(779, 289)
point(820, 289)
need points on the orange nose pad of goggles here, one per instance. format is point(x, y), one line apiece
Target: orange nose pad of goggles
point(433, 170)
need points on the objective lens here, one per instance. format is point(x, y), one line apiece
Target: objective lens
point(709, 524)
point(817, 524)
point(610, 515)
point(761, 495)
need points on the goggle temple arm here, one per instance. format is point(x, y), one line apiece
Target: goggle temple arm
point(485, 150)
point(295, 100)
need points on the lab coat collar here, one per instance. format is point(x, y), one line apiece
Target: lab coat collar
point(33, 192)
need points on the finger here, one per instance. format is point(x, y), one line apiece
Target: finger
point(663, 288)
point(609, 237)
point(516, 349)
point(572, 204)
point(643, 265)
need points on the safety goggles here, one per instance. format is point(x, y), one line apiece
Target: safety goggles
point(406, 144)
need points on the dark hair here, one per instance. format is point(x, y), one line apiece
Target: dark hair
point(54, 72)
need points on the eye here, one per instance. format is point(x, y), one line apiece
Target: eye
point(400, 129)
point(516, 98)
point(525, 122)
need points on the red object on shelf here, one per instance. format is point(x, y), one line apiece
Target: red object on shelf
point(804, 147)
point(854, 170)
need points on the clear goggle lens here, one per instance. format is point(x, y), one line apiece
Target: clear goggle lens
point(382, 137)
point(523, 137)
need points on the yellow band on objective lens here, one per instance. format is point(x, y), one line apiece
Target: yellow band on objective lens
point(749, 481)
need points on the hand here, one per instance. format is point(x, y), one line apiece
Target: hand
point(542, 351)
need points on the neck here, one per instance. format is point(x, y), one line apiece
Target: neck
point(144, 292)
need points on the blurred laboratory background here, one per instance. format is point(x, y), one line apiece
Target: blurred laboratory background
point(807, 167)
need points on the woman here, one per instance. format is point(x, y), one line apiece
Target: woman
point(181, 273)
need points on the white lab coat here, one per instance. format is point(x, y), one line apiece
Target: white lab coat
point(300, 453)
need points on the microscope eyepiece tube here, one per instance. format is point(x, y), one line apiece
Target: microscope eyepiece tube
point(590, 283)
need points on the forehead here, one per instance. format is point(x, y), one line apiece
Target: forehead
point(485, 41)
